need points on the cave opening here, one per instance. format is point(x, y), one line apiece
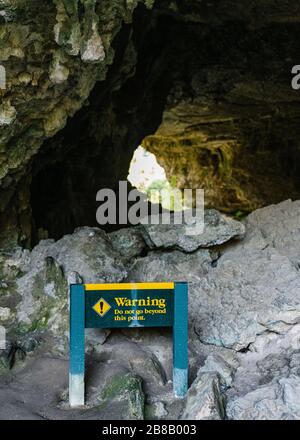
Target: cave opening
point(149, 178)
point(195, 96)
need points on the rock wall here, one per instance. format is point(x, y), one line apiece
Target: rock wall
point(53, 53)
point(88, 80)
point(244, 289)
point(231, 122)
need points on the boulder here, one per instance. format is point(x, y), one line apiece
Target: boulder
point(128, 242)
point(267, 380)
point(193, 233)
point(37, 282)
point(204, 400)
point(125, 398)
point(255, 284)
point(88, 251)
point(172, 266)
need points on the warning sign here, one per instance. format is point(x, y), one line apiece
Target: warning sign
point(129, 305)
point(101, 307)
point(118, 305)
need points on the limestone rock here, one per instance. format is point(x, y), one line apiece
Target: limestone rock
point(95, 337)
point(247, 294)
point(243, 322)
point(53, 54)
point(276, 226)
point(266, 382)
point(7, 113)
point(88, 252)
point(93, 49)
point(4, 314)
point(37, 293)
point(155, 411)
point(128, 242)
point(216, 364)
point(204, 399)
point(217, 229)
point(277, 401)
point(255, 286)
point(171, 266)
point(44, 303)
point(124, 395)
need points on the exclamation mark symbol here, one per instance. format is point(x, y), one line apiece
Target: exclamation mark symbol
point(101, 304)
point(101, 307)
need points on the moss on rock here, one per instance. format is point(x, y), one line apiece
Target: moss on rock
point(128, 388)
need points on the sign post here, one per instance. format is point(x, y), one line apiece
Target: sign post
point(122, 306)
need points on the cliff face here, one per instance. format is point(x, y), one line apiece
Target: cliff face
point(53, 53)
point(88, 80)
point(231, 122)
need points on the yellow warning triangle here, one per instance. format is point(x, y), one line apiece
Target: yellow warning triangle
point(101, 307)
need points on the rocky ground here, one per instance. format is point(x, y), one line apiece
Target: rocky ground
point(244, 322)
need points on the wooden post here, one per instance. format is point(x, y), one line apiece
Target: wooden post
point(77, 326)
point(180, 340)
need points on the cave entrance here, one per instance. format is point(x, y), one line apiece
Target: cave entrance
point(149, 177)
point(95, 148)
point(193, 94)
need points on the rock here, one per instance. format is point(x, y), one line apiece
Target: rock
point(43, 384)
point(128, 242)
point(153, 343)
point(125, 397)
point(29, 342)
point(74, 278)
point(216, 364)
point(155, 411)
point(4, 360)
point(3, 341)
point(276, 226)
point(150, 365)
point(172, 266)
point(4, 314)
point(218, 229)
point(277, 401)
point(7, 113)
point(258, 277)
point(40, 282)
point(44, 303)
point(14, 262)
point(264, 377)
point(95, 338)
point(265, 285)
point(92, 49)
point(204, 400)
point(58, 71)
point(88, 252)
point(243, 322)
point(35, 104)
point(200, 144)
point(39, 382)
point(12, 357)
point(210, 118)
point(138, 357)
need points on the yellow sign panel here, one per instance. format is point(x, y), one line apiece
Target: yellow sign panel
point(101, 307)
point(130, 286)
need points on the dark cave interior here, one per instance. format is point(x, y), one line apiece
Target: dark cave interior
point(160, 62)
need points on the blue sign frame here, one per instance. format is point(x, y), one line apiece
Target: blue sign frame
point(84, 308)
